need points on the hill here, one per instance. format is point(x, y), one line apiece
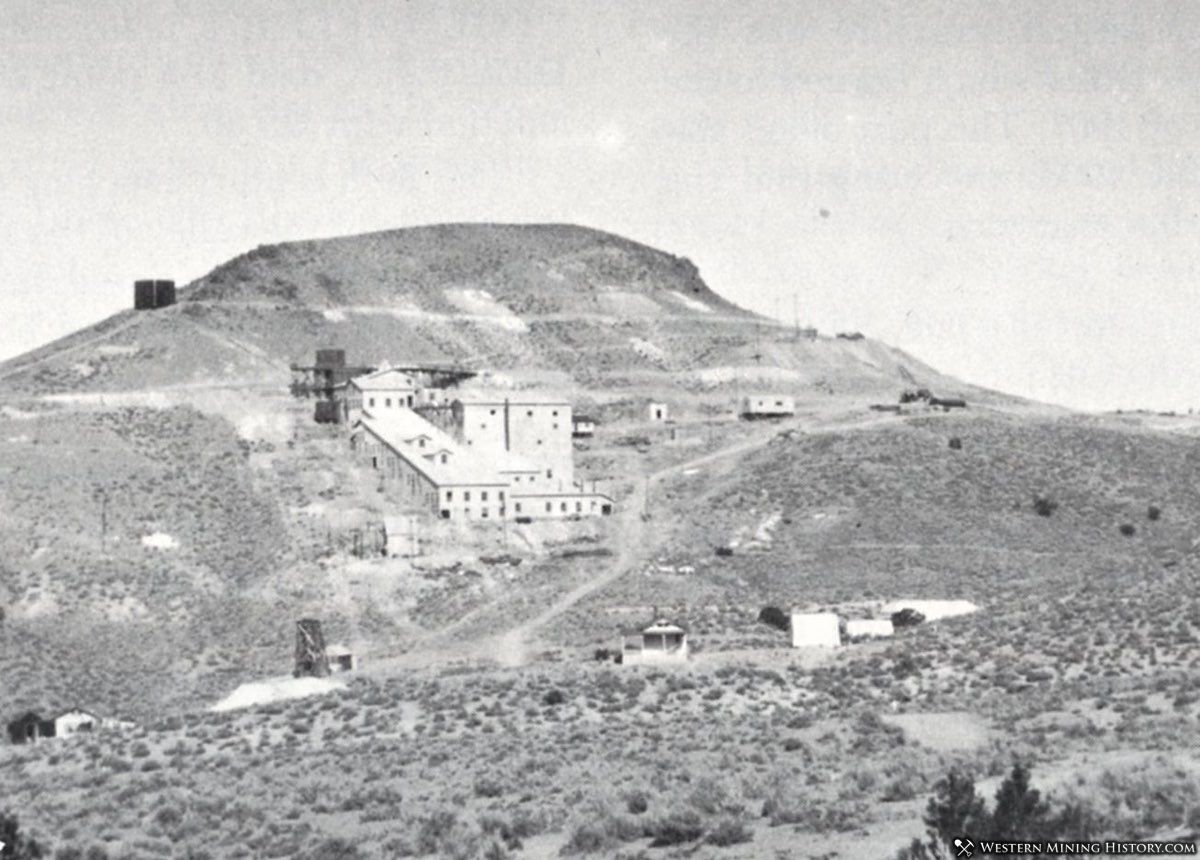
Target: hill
point(541, 303)
point(169, 510)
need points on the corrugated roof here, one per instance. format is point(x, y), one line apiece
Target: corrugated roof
point(399, 430)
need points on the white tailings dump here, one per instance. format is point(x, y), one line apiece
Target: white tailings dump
point(933, 609)
point(276, 690)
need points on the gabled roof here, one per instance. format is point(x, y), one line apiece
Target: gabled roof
point(663, 626)
point(386, 379)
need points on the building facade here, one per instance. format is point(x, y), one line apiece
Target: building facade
point(767, 406)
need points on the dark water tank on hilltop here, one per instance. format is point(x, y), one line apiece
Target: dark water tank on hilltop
point(148, 295)
point(164, 293)
point(143, 295)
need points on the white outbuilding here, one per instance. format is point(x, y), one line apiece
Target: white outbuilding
point(815, 629)
point(869, 628)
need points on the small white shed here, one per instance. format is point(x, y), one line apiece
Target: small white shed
point(658, 412)
point(75, 721)
point(815, 629)
point(767, 406)
point(401, 537)
point(870, 628)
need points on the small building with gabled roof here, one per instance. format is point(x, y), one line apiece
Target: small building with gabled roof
point(661, 642)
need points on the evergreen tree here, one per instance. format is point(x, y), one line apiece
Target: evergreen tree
point(16, 846)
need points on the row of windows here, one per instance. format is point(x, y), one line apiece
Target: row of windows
point(528, 413)
point(562, 506)
point(483, 513)
point(483, 495)
point(387, 401)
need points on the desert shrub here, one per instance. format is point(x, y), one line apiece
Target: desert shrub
point(955, 443)
point(553, 698)
point(1128, 529)
point(729, 831)
point(713, 796)
point(675, 828)
point(775, 617)
point(1153, 513)
point(603, 655)
point(1044, 506)
point(333, 849)
point(433, 829)
point(637, 802)
point(488, 787)
point(602, 833)
point(907, 618)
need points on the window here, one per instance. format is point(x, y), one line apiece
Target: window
point(466, 513)
point(517, 479)
point(444, 458)
point(555, 413)
point(529, 413)
point(449, 495)
point(409, 400)
point(420, 443)
point(502, 495)
point(388, 402)
point(482, 426)
point(483, 496)
point(539, 441)
point(549, 473)
point(549, 507)
point(466, 495)
point(483, 513)
point(518, 507)
point(445, 514)
point(372, 401)
point(563, 507)
point(578, 507)
point(491, 412)
point(555, 425)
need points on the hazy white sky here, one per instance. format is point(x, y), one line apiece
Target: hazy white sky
point(1011, 188)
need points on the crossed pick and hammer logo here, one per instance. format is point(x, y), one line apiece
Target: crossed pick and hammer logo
point(964, 846)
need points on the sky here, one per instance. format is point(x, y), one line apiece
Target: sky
point(1009, 191)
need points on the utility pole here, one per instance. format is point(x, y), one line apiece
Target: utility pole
point(103, 519)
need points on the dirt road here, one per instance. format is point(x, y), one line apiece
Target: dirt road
point(512, 648)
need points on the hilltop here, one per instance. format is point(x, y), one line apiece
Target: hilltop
point(544, 304)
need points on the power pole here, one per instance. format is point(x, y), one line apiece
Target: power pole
point(103, 519)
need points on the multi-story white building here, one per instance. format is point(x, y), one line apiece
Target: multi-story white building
point(431, 470)
point(537, 429)
point(380, 392)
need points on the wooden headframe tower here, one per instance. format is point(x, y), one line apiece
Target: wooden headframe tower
point(311, 660)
